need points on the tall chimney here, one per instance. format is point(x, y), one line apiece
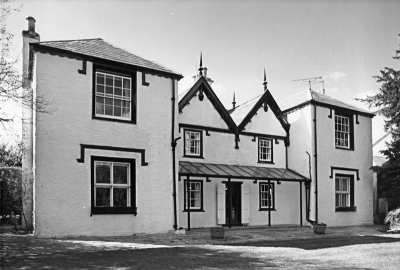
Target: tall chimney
point(28, 136)
point(205, 72)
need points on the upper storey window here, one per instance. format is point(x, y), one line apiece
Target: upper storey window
point(114, 96)
point(193, 143)
point(265, 150)
point(344, 131)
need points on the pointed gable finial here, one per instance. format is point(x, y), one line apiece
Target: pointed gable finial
point(201, 64)
point(265, 81)
point(234, 101)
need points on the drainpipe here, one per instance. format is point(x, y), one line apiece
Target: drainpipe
point(316, 162)
point(308, 195)
point(173, 145)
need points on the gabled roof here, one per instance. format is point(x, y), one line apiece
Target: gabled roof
point(202, 85)
point(306, 96)
point(242, 114)
point(98, 48)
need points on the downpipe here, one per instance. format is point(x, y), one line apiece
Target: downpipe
point(308, 193)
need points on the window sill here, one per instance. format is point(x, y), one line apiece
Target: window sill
point(267, 209)
point(346, 209)
point(266, 162)
point(343, 148)
point(186, 156)
point(127, 121)
point(194, 210)
point(113, 210)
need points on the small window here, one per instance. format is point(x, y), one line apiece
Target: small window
point(265, 150)
point(114, 95)
point(193, 197)
point(267, 196)
point(344, 131)
point(193, 144)
point(113, 186)
point(344, 192)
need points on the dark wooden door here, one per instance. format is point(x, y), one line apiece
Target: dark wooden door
point(235, 203)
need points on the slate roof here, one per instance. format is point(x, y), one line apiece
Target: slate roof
point(242, 110)
point(308, 95)
point(104, 50)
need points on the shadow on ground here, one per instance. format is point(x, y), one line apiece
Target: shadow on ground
point(162, 258)
point(315, 243)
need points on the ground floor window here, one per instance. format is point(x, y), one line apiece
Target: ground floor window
point(113, 185)
point(267, 196)
point(344, 192)
point(194, 196)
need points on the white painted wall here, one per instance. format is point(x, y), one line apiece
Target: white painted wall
point(302, 140)
point(63, 198)
point(266, 123)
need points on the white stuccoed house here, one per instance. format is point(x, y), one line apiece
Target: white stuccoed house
point(122, 153)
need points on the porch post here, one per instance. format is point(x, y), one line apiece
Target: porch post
point(269, 209)
point(188, 201)
point(301, 205)
point(230, 201)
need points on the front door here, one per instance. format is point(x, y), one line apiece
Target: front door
point(235, 202)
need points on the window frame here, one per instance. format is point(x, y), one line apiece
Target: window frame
point(350, 116)
point(98, 210)
point(271, 207)
point(259, 150)
point(200, 209)
point(188, 155)
point(133, 97)
point(351, 207)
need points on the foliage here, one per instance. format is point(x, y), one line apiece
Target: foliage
point(11, 193)
point(11, 156)
point(387, 101)
point(394, 218)
point(11, 81)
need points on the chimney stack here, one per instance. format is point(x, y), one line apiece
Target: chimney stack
point(31, 24)
point(30, 33)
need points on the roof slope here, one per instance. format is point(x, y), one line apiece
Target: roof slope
point(310, 95)
point(104, 50)
point(379, 161)
point(242, 110)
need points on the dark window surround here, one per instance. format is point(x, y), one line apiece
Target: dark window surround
point(201, 196)
point(201, 144)
point(114, 71)
point(273, 197)
point(351, 208)
point(350, 115)
point(272, 151)
point(114, 210)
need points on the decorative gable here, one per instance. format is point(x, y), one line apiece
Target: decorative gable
point(205, 104)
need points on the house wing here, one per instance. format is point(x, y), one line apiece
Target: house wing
point(245, 114)
point(201, 88)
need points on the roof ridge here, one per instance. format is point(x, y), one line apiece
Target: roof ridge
point(68, 40)
point(115, 46)
point(248, 101)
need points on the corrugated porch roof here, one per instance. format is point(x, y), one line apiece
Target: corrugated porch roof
point(238, 172)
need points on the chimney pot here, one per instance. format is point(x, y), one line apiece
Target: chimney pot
point(205, 72)
point(31, 24)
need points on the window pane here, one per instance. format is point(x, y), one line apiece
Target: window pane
point(103, 173)
point(118, 82)
point(109, 90)
point(102, 196)
point(127, 93)
point(99, 105)
point(120, 197)
point(108, 110)
point(120, 174)
point(118, 92)
point(109, 80)
point(127, 84)
point(100, 78)
point(100, 89)
point(126, 112)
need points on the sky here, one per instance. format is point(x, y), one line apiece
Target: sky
point(345, 42)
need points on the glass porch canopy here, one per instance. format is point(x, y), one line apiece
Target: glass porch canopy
point(211, 170)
